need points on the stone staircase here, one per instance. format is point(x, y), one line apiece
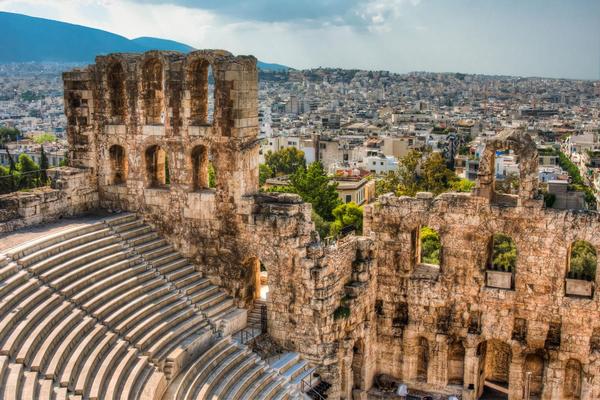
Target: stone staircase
point(111, 311)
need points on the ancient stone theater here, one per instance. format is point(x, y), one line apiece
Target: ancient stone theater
point(142, 271)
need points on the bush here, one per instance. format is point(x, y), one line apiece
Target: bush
point(431, 246)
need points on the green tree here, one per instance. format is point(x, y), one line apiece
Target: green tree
point(264, 172)
point(431, 246)
point(321, 225)
point(29, 172)
point(407, 174)
point(6, 180)
point(285, 161)
point(462, 185)
point(316, 188)
point(437, 177)
point(43, 167)
point(389, 183)
point(583, 260)
point(44, 138)
point(504, 253)
point(345, 215)
point(8, 134)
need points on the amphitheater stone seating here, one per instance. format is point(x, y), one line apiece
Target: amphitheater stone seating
point(110, 310)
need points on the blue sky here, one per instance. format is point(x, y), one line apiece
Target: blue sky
point(514, 37)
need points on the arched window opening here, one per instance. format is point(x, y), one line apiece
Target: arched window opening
point(502, 262)
point(200, 167)
point(202, 97)
point(456, 364)
point(157, 167)
point(118, 163)
point(503, 255)
point(430, 247)
point(582, 261)
point(422, 359)
point(358, 358)
point(534, 376)
point(494, 369)
point(153, 92)
point(573, 377)
point(116, 93)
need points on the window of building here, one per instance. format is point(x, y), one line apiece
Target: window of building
point(348, 198)
point(118, 163)
point(157, 168)
point(202, 92)
point(116, 90)
point(582, 261)
point(153, 92)
point(503, 254)
point(430, 246)
point(200, 164)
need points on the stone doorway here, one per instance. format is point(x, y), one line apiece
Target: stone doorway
point(261, 280)
point(494, 370)
point(534, 376)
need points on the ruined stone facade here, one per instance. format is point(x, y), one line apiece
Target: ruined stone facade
point(139, 126)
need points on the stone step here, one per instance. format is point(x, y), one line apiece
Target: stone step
point(244, 382)
point(167, 321)
point(232, 375)
point(122, 303)
point(34, 340)
point(102, 375)
point(203, 387)
point(127, 367)
point(20, 290)
point(21, 331)
point(95, 296)
point(120, 219)
point(88, 344)
point(14, 382)
point(218, 307)
point(127, 226)
point(31, 386)
point(285, 362)
point(133, 326)
point(46, 391)
point(201, 367)
point(196, 325)
point(20, 311)
point(8, 270)
point(258, 385)
point(53, 340)
point(75, 256)
point(61, 353)
point(63, 240)
point(81, 382)
point(148, 247)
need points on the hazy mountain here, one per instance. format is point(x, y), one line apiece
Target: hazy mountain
point(26, 38)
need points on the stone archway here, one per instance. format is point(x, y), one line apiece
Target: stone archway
point(572, 381)
point(525, 148)
point(358, 358)
point(533, 370)
point(495, 358)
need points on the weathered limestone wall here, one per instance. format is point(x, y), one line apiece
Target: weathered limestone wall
point(70, 194)
point(536, 318)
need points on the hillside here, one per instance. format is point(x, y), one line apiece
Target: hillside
point(34, 39)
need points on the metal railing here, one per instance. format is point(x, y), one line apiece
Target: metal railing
point(311, 389)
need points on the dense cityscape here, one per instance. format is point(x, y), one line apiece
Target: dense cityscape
point(361, 124)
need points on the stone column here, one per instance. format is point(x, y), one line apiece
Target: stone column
point(471, 376)
point(515, 378)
